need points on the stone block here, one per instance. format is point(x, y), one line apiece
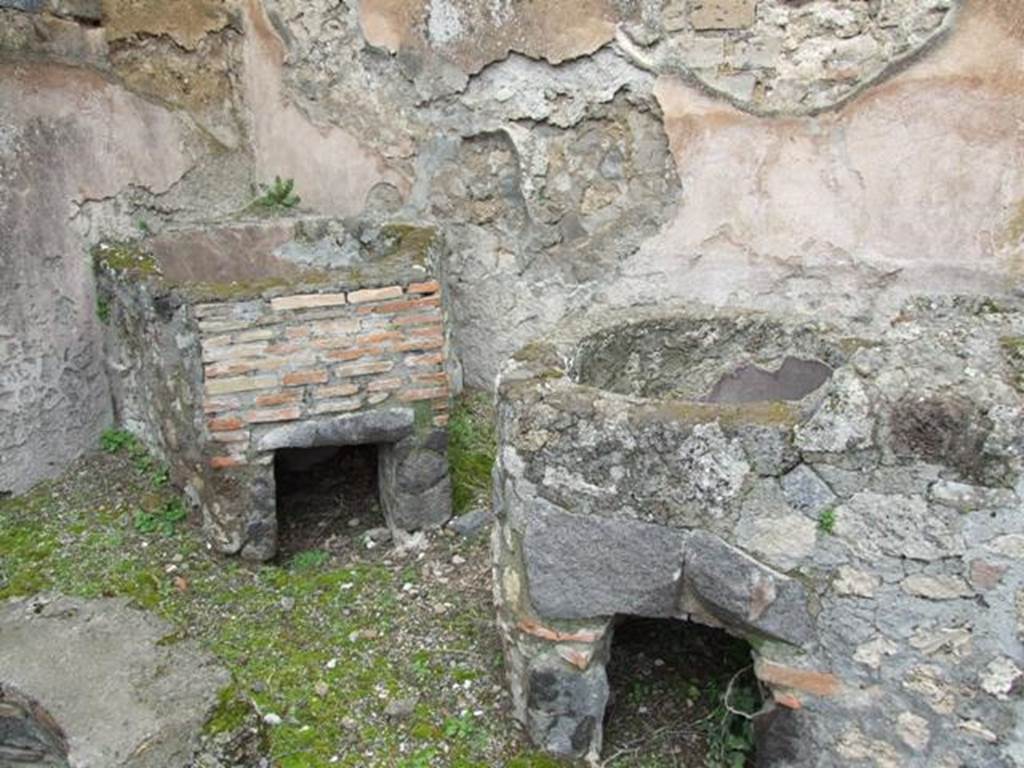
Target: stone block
point(722, 14)
point(565, 706)
point(806, 491)
point(472, 523)
point(581, 566)
point(745, 594)
point(307, 301)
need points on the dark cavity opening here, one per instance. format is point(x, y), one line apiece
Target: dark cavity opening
point(28, 733)
point(675, 689)
point(326, 498)
point(794, 380)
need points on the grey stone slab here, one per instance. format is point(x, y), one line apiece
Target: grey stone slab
point(123, 699)
point(744, 593)
point(385, 425)
point(806, 491)
point(580, 566)
point(472, 523)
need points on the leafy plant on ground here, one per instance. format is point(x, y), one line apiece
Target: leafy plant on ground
point(278, 196)
point(164, 520)
point(310, 559)
point(103, 310)
point(730, 728)
point(472, 446)
point(118, 440)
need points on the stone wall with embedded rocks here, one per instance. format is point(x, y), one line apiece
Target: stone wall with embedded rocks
point(849, 504)
point(821, 157)
point(224, 346)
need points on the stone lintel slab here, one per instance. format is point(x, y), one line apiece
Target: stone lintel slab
point(385, 425)
point(580, 566)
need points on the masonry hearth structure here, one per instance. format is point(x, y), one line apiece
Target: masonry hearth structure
point(230, 344)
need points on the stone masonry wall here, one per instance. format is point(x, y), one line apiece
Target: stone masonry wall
point(294, 357)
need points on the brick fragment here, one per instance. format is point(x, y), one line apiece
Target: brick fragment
point(240, 384)
point(422, 361)
point(338, 406)
point(394, 307)
point(355, 353)
point(427, 333)
point(431, 379)
point(428, 286)
point(441, 420)
point(432, 318)
point(225, 424)
point(307, 301)
point(273, 414)
point(220, 405)
point(223, 326)
point(557, 636)
point(384, 385)
point(363, 369)
point(239, 436)
point(301, 378)
point(239, 367)
point(335, 327)
point(340, 390)
point(375, 294)
point(416, 345)
point(279, 398)
point(256, 334)
point(379, 337)
point(415, 395)
point(226, 462)
point(378, 397)
point(806, 680)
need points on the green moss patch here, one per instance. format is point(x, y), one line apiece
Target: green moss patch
point(472, 445)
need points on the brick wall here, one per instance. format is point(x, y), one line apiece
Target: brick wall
point(268, 361)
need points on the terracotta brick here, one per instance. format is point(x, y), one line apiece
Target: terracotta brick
point(355, 353)
point(225, 424)
point(557, 636)
point(416, 345)
point(429, 332)
point(284, 348)
point(220, 405)
point(422, 361)
point(429, 286)
point(363, 369)
point(238, 436)
point(407, 305)
point(212, 310)
point(806, 680)
point(414, 395)
point(384, 385)
point(307, 301)
point(226, 462)
point(338, 406)
point(433, 318)
point(378, 397)
point(431, 379)
point(340, 390)
point(440, 406)
point(237, 368)
point(234, 352)
point(787, 700)
point(279, 398)
point(375, 294)
point(273, 414)
point(301, 378)
point(223, 340)
point(294, 332)
point(332, 342)
point(240, 384)
point(379, 337)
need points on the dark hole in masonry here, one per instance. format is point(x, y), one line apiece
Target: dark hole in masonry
point(28, 733)
point(673, 683)
point(326, 497)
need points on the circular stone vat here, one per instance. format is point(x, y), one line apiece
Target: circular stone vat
point(29, 736)
point(804, 490)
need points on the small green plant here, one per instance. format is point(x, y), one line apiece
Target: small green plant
point(103, 310)
point(143, 226)
point(279, 195)
point(827, 520)
point(471, 449)
point(310, 559)
point(163, 521)
point(118, 440)
point(113, 440)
